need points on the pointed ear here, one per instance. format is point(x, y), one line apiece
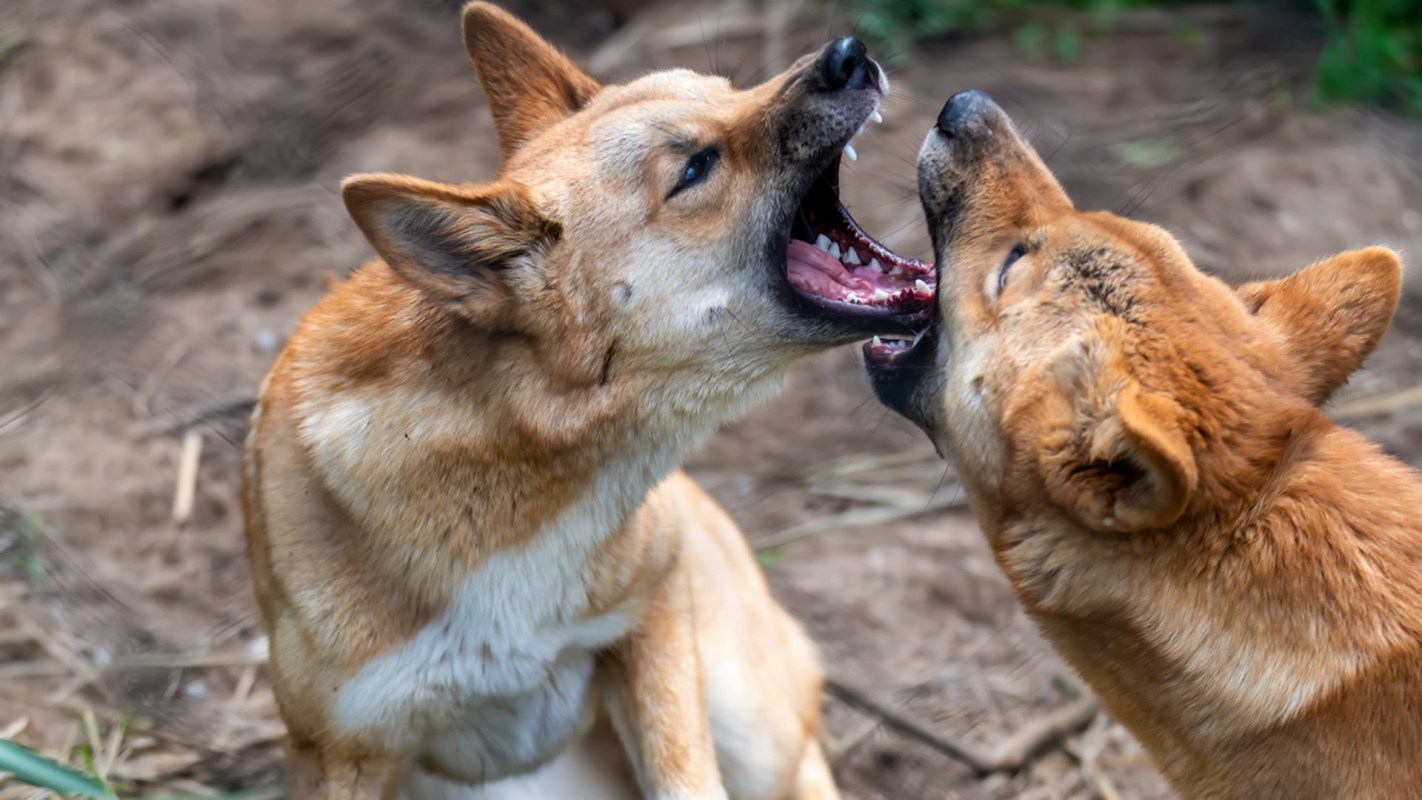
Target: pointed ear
point(467, 247)
point(1115, 457)
point(1332, 315)
point(529, 83)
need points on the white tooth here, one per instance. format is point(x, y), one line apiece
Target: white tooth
point(822, 241)
point(876, 116)
point(849, 151)
point(851, 256)
point(861, 130)
point(834, 250)
point(874, 263)
point(881, 295)
point(921, 286)
point(877, 342)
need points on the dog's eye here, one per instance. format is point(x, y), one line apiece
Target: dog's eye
point(696, 169)
point(1017, 252)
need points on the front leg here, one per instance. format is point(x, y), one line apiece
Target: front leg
point(656, 697)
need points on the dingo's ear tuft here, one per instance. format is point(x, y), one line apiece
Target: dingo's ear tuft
point(1111, 454)
point(464, 246)
point(529, 83)
point(1331, 315)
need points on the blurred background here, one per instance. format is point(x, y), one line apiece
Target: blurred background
point(168, 209)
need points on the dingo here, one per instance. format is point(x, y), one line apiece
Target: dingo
point(466, 535)
point(1238, 577)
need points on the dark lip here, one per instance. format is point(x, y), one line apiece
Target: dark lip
point(899, 378)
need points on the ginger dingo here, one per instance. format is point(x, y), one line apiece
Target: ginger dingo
point(1237, 576)
point(467, 537)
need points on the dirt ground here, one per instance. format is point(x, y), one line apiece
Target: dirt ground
point(168, 210)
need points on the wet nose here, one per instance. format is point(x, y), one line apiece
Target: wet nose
point(845, 64)
point(967, 114)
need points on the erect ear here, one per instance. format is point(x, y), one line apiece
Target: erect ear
point(467, 247)
point(1331, 315)
point(529, 83)
point(1114, 456)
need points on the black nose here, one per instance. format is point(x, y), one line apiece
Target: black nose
point(845, 64)
point(967, 114)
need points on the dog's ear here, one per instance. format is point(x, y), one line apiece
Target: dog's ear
point(529, 83)
point(1331, 315)
point(1112, 455)
point(467, 247)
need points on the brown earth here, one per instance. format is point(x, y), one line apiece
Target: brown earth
point(169, 210)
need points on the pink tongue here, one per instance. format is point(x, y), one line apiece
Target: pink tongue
point(813, 270)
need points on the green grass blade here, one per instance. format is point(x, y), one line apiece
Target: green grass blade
point(36, 770)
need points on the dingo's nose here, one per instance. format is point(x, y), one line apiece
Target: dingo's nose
point(967, 115)
point(845, 64)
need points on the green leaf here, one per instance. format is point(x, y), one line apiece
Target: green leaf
point(1066, 44)
point(768, 558)
point(1148, 153)
point(29, 767)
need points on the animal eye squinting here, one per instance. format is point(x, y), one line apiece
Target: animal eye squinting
point(1017, 252)
point(696, 169)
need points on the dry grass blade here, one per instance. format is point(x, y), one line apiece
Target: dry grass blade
point(1375, 404)
point(859, 517)
point(48, 669)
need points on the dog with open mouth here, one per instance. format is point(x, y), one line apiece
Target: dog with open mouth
point(477, 562)
point(1237, 576)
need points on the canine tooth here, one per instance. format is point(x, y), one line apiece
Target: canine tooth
point(849, 151)
point(881, 295)
point(861, 130)
point(876, 116)
point(851, 256)
point(878, 342)
point(921, 286)
point(834, 249)
point(874, 262)
point(822, 241)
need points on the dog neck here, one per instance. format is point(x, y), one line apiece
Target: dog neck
point(1250, 619)
point(401, 405)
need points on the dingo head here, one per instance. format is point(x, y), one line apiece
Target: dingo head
point(654, 231)
point(1081, 368)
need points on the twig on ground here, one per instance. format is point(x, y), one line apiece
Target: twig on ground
point(1087, 752)
point(227, 408)
point(1009, 755)
point(835, 749)
point(188, 461)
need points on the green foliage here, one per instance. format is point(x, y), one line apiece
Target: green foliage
point(894, 25)
point(1372, 52)
point(29, 767)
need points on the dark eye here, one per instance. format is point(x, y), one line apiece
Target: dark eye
point(1017, 252)
point(696, 169)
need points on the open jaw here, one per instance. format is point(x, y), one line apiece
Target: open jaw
point(832, 263)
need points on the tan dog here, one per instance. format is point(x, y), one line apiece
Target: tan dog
point(466, 536)
point(1237, 576)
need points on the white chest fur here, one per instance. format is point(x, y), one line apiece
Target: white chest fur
point(500, 680)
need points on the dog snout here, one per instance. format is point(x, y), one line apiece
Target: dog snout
point(969, 115)
point(845, 64)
